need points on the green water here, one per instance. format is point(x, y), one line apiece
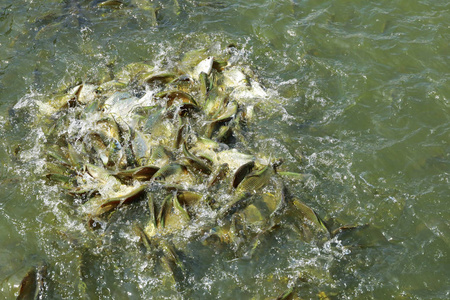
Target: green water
point(360, 93)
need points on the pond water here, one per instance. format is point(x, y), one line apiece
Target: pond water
point(359, 100)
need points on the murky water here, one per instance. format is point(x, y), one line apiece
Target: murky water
point(359, 100)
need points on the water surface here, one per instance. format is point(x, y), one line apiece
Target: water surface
point(360, 95)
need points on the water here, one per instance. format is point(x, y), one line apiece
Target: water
point(362, 104)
